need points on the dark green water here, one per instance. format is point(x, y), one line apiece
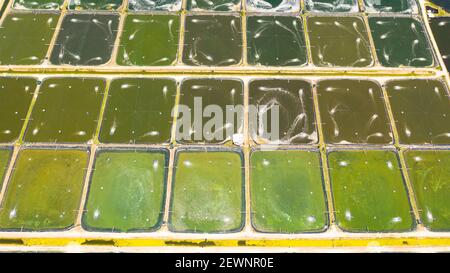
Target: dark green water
point(401, 41)
point(296, 122)
point(15, 99)
point(441, 32)
point(139, 110)
point(207, 193)
point(353, 111)
point(85, 39)
point(144, 5)
point(30, 47)
point(44, 191)
point(276, 41)
point(339, 41)
point(212, 97)
point(421, 110)
point(66, 111)
point(287, 192)
point(126, 191)
point(212, 40)
point(149, 40)
point(214, 5)
point(95, 4)
point(368, 191)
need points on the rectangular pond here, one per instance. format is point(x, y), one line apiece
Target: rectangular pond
point(207, 192)
point(368, 192)
point(353, 112)
point(421, 110)
point(15, 99)
point(331, 5)
point(44, 191)
point(127, 191)
point(287, 192)
point(66, 110)
point(339, 41)
point(138, 110)
point(429, 172)
point(276, 41)
point(149, 40)
point(441, 32)
point(31, 46)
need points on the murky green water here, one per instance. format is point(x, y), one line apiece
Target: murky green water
point(387, 6)
point(401, 41)
point(339, 41)
point(207, 100)
point(353, 111)
point(149, 40)
point(216, 5)
point(421, 110)
point(15, 99)
point(30, 47)
point(166, 5)
point(441, 32)
point(368, 191)
point(139, 110)
point(296, 120)
point(85, 39)
point(207, 192)
point(429, 172)
point(212, 40)
point(95, 4)
point(276, 41)
point(273, 5)
point(287, 192)
point(38, 4)
point(66, 111)
point(126, 192)
point(331, 5)
point(5, 155)
point(44, 191)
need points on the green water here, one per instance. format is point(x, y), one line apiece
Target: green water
point(15, 99)
point(95, 5)
point(331, 5)
point(149, 40)
point(353, 111)
point(38, 4)
point(138, 110)
point(429, 172)
point(441, 32)
point(296, 122)
point(401, 42)
point(66, 111)
point(4, 160)
point(339, 41)
point(287, 193)
point(85, 39)
point(273, 5)
point(386, 6)
point(207, 193)
point(30, 47)
point(126, 192)
point(215, 5)
point(144, 5)
point(44, 191)
point(275, 41)
point(368, 191)
point(421, 111)
point(202, 114)
point(212, 40)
